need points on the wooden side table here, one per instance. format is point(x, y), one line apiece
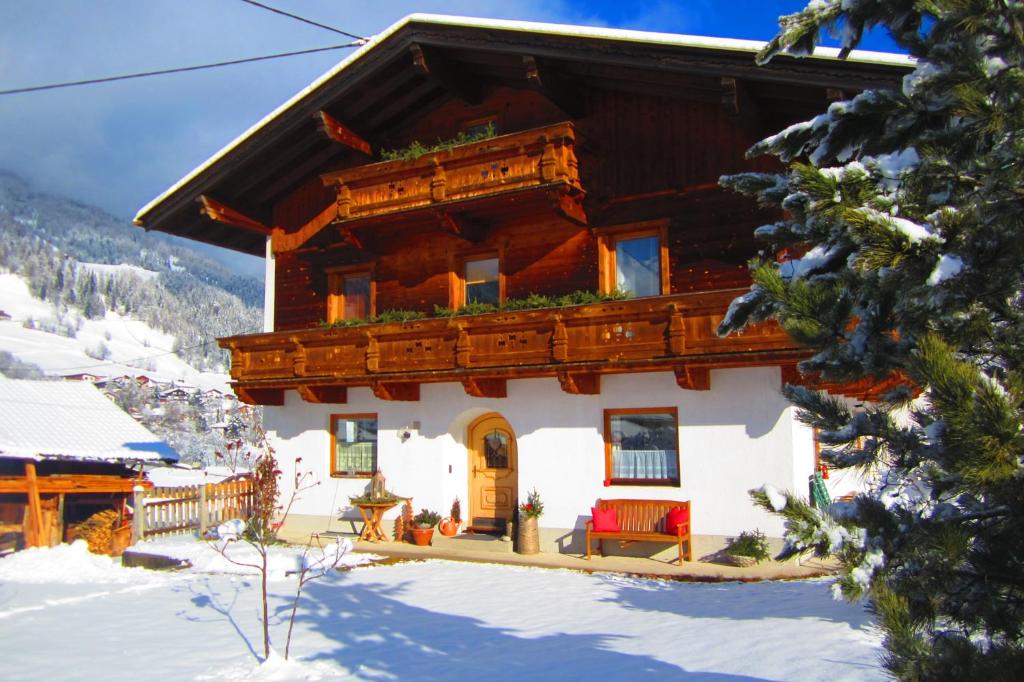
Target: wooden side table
point(372, 514)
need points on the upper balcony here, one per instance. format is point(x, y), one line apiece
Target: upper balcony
point(529, 170)
point(576, 344)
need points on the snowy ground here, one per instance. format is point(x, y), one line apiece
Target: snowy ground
point(68, 615)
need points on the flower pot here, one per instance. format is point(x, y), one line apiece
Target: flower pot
point(448, 527)
point(529, 536)
point(422, 536)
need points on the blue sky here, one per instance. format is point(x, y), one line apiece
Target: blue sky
point(118, 145)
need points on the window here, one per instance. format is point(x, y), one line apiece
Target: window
point(350, 295)
point(634, 259)
point(482, 281)
point(353, 444)
point(642, 446)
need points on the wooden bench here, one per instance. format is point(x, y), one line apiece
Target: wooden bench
point(643, 521)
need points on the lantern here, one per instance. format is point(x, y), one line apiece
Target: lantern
point(377, 489)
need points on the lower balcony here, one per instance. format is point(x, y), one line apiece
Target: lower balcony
point(576, 344)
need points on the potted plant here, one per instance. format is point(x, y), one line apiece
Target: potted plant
point(449, 525)
point(529, 534)
point(423, 526)
point(747, 549)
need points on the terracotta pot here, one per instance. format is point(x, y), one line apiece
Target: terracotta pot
point(422, 536)
point(448, 526)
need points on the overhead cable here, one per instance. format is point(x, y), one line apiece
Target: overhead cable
point(302, 19)
point(198, 67)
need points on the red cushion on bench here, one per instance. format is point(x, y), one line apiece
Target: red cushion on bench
point(675, 516)
point(605, 520)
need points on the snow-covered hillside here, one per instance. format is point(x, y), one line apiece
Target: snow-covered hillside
point(112, 346)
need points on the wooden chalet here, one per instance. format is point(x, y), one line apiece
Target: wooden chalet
point(66, 454)
point(553, 160)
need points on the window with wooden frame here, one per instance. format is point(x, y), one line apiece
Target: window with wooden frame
point(641, 446)
point(478, 278)
point(350, 294)
point(634, 259)
point(353, 445)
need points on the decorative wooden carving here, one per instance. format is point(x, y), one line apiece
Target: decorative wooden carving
point(693, 378)
point(393, 390)
point(222, 213)
point(323, 394)
point(342, 134)
point(463, 348)
point(372, 354)
point(580, 383)
point(485, 388)
point(298, 358)
point(676, 331)
point(559, 341)
point(260, 396)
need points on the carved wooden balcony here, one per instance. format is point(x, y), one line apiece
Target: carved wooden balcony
point(576, 344)
point(535, 168)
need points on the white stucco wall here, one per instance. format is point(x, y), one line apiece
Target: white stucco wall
point(736, 436)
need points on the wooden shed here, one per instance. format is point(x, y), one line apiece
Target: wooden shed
point(67, 454)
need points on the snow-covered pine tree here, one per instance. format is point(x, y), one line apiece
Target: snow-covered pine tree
point(907, 206)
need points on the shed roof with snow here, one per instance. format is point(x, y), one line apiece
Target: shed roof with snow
point(71, 420)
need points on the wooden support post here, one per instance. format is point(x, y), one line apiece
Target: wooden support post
point(203, 521)
point(139, 521)
point(35, 509)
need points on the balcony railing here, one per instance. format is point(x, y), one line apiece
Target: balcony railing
point(523, 160)
point(664, 332)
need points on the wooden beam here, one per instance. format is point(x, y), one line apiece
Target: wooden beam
point(395, 390)
point(260, 396)
point(432, 66)
point(337, 131)
point(222, 213)
point(34, 538)
point(401, 102)
point(580, 383)
point(559, 91)
point(567, 206)
point(693, 378)
point(485, 388)
point(323, 394)
point(61, 484)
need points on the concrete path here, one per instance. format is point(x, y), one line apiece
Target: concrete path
point(698, 571)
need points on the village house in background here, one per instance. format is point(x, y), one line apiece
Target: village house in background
point(525, 294)
point(69, 461)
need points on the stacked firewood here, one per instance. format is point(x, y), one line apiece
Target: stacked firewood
point(98, 531)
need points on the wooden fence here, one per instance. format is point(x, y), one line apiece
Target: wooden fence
point(166, 511)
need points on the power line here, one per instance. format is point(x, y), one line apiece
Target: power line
point(182, 69)
point(302, 19)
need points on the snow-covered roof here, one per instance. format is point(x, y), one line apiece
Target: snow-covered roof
point(71, 420)
point(625, 35)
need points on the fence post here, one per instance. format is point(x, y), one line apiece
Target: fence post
point(202, 511)
point(138, 505)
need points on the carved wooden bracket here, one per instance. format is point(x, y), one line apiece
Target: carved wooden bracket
point(693, 378)
point(580, 383)
point(260, 396)
point(222, 213)
point(559, 91)
point(323, 394)
point(485, 388)
point(394, 390)
point(342, 134)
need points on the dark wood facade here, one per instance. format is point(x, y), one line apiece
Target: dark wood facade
point(595, 138)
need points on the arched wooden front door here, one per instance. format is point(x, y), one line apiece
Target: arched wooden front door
point(492, 472)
